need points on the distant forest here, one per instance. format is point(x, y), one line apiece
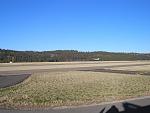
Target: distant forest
point(67, 55)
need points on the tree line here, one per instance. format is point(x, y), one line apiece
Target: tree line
point(67, 55)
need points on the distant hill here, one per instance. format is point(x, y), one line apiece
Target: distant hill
point(67, 55)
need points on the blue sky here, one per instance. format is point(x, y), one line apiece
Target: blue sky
point(84, 25)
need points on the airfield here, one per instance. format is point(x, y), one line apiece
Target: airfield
point(15, 68)
point(58, 84)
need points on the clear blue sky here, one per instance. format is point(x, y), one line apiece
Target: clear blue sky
point(84, 25)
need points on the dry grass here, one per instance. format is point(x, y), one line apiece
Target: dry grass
point(73, 88)
point(144, 68)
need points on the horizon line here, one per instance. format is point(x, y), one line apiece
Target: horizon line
point(77, 51)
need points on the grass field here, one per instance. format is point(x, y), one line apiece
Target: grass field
point(51, 89)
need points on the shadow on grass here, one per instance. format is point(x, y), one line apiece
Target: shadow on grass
point(128, 108)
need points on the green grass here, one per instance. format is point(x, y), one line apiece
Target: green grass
point(73, 88)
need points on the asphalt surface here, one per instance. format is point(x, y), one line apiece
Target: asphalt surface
point(137, 105)
point(10, 80)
